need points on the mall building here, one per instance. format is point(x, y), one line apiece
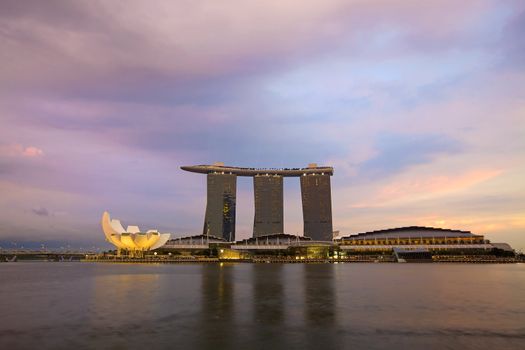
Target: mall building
point(388, 243)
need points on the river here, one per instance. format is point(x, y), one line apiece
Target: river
point(51, 305)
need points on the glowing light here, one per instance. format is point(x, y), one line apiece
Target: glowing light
point(131, 239)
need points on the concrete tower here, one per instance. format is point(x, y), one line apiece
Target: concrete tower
point(268, 193)
point(220, 206)
point(317, 206)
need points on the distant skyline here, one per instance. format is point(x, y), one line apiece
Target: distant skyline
point(418, 106)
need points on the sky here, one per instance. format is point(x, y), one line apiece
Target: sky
point(418, 105)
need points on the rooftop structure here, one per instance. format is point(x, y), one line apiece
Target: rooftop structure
point(415, 237)
point(411, 232)
point(195, 238)
point(240, 171)
point(193, 242)
point(274, 239)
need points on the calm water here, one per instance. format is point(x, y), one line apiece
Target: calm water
point(247, 306)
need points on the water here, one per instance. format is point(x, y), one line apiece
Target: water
point(266, 306)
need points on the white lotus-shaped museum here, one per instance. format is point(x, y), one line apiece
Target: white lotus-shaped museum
point(131, 239)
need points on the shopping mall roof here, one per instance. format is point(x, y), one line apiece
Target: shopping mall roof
point(411, 232)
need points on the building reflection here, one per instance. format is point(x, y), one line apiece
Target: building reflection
point(269, 307)
point(122, 295)
point(319, 294)
point(268, 294)
point(320, 305)
point(217, 307)
point(279, 291)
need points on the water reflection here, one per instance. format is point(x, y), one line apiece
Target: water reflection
point(297, 301)
point(116, 294)
point(268, 294)
point(320, 305)
point(217, 307)
point(243, 306)
point(268, 306)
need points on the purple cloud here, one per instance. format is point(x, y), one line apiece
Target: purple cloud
point(41, 211)
point(396, 153)
point(106, 102)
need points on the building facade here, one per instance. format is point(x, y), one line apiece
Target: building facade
point(415, 237)
point(268, 195)
point(268, 198)
point(219, 220)
point(131, 240)
point(317, 206)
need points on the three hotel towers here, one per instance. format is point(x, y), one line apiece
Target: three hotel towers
point(268, 190)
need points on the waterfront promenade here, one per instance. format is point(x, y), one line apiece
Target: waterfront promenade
point(13, 256)
point(293, 260)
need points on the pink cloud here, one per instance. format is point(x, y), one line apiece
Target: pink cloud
point(16, 150)
point(184, 38)
point(32, 152)
point(411, 189)
point(486, 224)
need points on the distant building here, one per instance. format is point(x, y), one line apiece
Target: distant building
point(131, 239)
point(317, 206)
point(193, 240)
point(220, 206)
point(273, 239)
point(268, 198)
point(268, 193)
point(503, 246)
point(404, 244)
point(415, 236)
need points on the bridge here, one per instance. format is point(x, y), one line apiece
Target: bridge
point(7, 255)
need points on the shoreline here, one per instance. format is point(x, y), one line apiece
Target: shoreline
point(441, 259)
point(295, 261)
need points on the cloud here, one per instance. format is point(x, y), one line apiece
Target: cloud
point(16, 150)
point(173, 45)
point(101, 103)
point(397, 152)
point(40, 211)
point(414, 188)
point(511, 44)
point(32, 152)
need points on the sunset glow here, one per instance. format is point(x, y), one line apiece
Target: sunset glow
point(420, 109)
